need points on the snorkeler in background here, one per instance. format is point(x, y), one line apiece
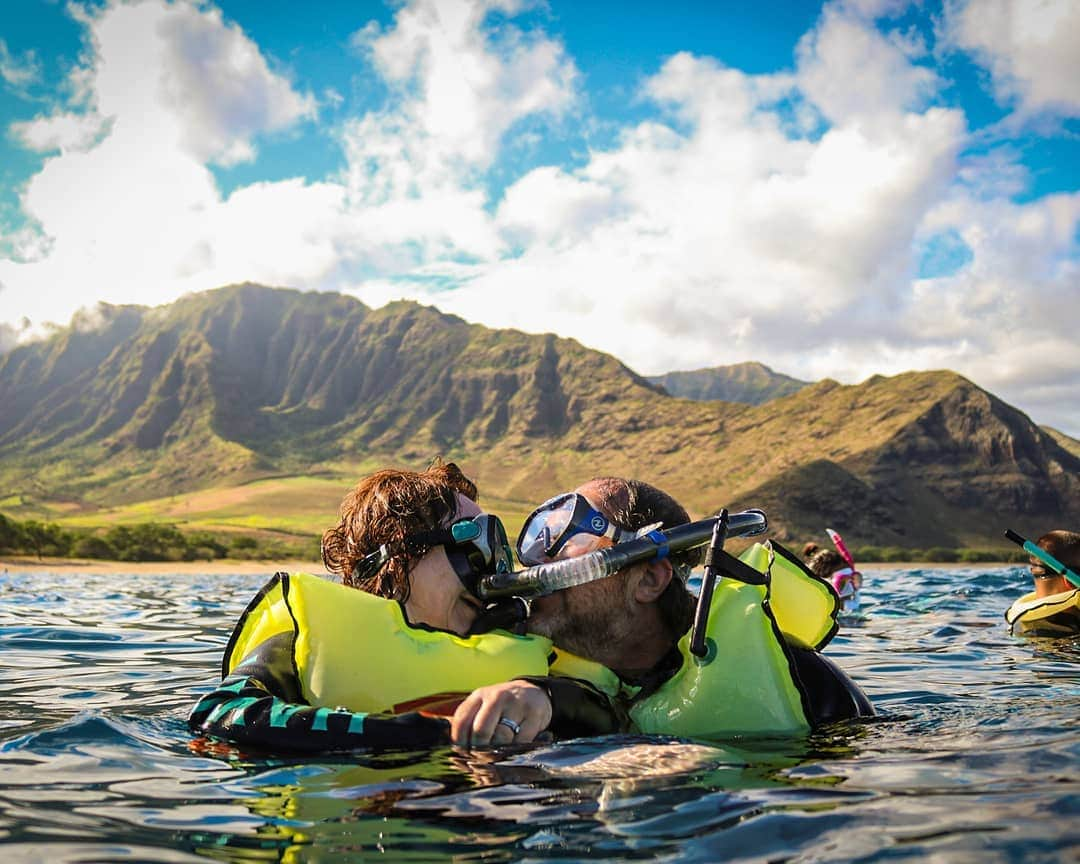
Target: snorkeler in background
point(837, 567)
point(1053, 608)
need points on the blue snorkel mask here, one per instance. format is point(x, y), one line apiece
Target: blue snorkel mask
point(567, 526)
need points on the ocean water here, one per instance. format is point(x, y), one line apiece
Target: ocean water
point(976, 755)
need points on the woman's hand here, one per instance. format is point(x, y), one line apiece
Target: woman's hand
point(514, 712)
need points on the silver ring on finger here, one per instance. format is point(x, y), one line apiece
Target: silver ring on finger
point(510, 724)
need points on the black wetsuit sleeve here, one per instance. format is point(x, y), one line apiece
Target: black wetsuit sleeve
point(261, 705)
point(578, 709)
point(831, 694)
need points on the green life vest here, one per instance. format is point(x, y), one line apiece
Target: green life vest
point(746, 683)
point(355, 650)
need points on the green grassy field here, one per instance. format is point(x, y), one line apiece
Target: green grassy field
point(298, 505)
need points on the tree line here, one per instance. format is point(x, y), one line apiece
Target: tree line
point(146, 541)
point(936, 555)
point(155, 541)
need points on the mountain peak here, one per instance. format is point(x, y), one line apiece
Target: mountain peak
point(751, 383)
point(244, 381)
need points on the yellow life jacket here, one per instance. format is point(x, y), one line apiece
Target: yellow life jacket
point(355, 650)
point(804, 605)
point(746, 683)
point(1053, 615)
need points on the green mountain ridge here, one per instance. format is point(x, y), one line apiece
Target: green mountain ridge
point(750, 383)
point(228, 387)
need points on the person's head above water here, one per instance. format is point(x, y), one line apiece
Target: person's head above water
point(1065, 547)
point(419, 538)
point(629, 620)
point(825, 562)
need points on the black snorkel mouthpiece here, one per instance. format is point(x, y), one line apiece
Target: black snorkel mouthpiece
point(509, 613)
point(554, 576)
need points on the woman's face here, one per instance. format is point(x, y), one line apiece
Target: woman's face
point(436, 596)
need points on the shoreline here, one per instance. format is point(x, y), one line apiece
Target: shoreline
point(218, 567)
point(242, 567)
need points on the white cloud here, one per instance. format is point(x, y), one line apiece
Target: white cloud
point(10, 333)
point(1031, 47)
point(191, 78)
point(20, 71)
point(728, 241)
point(461, 88)
point(549, 207)
point(852, 71)
point(217, 80)
point(415, 169)
point(767, 217)
point(167, 88)
point(294, 230)
point(128, 210)
point(63, 131)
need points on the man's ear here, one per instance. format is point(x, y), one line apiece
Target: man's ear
point(653, 581)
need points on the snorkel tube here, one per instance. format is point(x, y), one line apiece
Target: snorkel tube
point(698, 642)
point(841, 547)
point(1049, 560)
point(554, 576)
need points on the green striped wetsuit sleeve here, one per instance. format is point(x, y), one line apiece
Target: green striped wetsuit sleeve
point(261, 705)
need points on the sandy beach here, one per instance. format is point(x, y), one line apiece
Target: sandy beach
point(30, 564)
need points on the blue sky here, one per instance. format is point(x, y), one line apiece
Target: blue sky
point(837, 190)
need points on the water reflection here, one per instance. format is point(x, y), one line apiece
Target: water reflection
point(978, 745)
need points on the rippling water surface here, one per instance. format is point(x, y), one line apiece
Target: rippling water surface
point(976, 757)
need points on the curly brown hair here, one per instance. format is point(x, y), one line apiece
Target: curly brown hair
point(385, 508)
point(825, 562)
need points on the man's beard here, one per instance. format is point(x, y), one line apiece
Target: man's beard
point(588, 624)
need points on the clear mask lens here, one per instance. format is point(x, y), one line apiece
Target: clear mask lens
point(566, 526)
point(545, 528)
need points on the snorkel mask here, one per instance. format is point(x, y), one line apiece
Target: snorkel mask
point(476, 547)
point(549, 528)
point(567, 526)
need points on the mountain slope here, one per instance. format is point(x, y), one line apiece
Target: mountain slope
point(246, 379)
point(750, 383)
point(245, 382)
point(959, 466)
point(1067, 443)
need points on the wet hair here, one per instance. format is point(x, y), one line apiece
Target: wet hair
point(825, 562)
point(1063, 545)
point(633, 504)
point(385, 508)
